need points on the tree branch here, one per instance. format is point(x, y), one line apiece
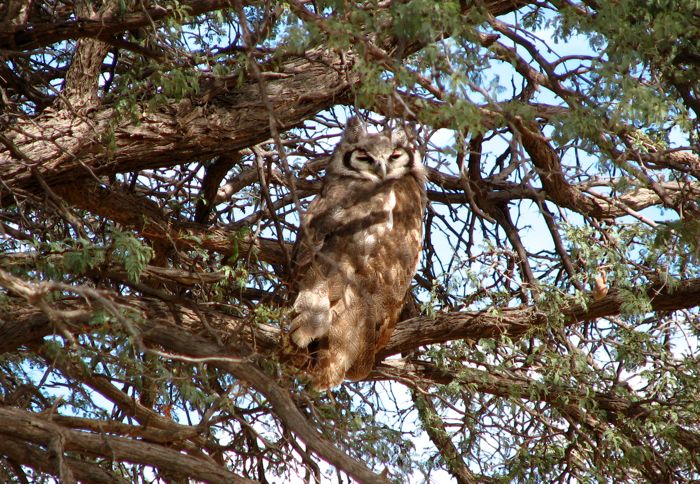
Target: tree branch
point(148, 219)
point(20, 424)
point(408, 335)
point(35, 457)
point(516, 322)
point(433, 425)
point(27, 36)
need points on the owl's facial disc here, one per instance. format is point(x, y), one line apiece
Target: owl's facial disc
point(375, 157)
point(369, 165)
point(378, 164)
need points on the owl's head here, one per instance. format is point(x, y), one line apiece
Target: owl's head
point(375, 157)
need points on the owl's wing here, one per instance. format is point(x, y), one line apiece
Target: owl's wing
point(322, 218)
point(315, 278)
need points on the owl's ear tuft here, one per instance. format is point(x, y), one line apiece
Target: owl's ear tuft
point(354, 130)
point(404, 135)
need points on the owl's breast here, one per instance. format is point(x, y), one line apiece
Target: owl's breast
point(382, 216)
point(395, 236)
point(370, 226)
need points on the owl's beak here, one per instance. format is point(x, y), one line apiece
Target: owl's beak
point(380, 169)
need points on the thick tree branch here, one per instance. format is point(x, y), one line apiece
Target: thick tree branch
point(148, 219)
point(162, 332)
point(26, 35)
point(63, 148)
point(39, 459)
point(213, 176)
point(222, 119)
point(80, 87)
point(408, 335)
point(549, 168)
point(516, 322)
point(20, 424)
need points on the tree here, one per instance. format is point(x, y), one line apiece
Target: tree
point(154, 159)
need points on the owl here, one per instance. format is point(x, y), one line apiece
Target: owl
point(357, 253)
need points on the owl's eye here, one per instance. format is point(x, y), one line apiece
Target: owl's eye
point(363, 157)
point(396, 155)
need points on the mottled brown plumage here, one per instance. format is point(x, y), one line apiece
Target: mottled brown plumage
point(358, 252)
